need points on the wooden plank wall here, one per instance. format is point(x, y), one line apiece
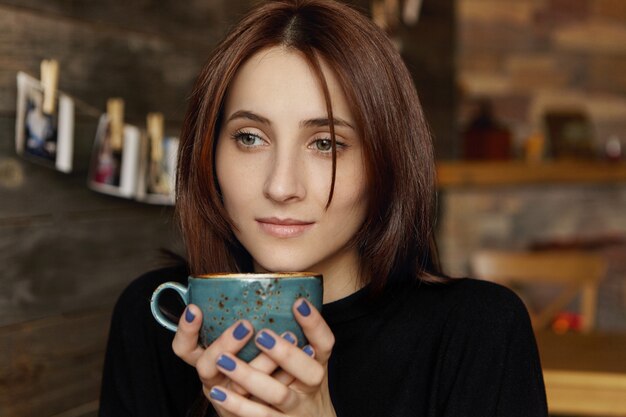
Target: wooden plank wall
point(67, 252)
point(51, 366)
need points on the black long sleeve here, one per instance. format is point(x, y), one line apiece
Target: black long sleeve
point(463, 348)
point(488, 345)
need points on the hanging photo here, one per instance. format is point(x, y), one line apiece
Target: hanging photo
point(114, 164)
point(158, 170)
point(44, 137)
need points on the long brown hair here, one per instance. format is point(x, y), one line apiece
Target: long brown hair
point(396, 240)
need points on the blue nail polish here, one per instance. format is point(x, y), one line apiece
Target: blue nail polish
point(266, 340)
point(308, 350)
point(217, 394)
point(226, 363)
point(189, 316)
point(288, 337)
point(240, 331)
point(304, 308)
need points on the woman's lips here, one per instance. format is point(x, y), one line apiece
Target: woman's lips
point(284, 228)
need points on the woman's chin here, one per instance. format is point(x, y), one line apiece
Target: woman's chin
point(282, 266)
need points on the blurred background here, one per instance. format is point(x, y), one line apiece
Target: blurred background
point(526, 100)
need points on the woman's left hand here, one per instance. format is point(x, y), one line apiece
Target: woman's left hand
point(300, 388)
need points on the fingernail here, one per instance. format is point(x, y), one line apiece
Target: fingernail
point(304, 308)
point(266, 340)
point(226, 363)
point(308, 349)
point(288, 337)
point(240, 331)
point(189, 316)
point(217, 394)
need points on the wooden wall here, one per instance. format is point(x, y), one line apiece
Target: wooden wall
point(67, 252)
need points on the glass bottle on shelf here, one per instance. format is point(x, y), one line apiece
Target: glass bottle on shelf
point(485, 138)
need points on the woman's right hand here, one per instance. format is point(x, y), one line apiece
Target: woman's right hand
point(186, 347)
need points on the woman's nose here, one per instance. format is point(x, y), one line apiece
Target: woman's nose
point(284, 180)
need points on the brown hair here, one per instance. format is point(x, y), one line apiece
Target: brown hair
point(396, 240)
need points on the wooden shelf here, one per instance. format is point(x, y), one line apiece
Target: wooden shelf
point(504, 173)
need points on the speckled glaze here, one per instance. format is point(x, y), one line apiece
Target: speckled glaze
point(265, 300)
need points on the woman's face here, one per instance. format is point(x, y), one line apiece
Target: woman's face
point(274, 167)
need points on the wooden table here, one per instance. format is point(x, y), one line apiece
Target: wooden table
point(584, 374)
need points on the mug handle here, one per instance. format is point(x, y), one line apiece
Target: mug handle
point(154, 303)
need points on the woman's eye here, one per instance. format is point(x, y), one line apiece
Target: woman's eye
point(323, 145)
point(248, 139)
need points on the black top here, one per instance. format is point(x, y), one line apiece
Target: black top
point(463, 348)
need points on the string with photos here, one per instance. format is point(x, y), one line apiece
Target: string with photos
point(126, 161)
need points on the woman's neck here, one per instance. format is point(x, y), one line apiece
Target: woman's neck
point(341, 274)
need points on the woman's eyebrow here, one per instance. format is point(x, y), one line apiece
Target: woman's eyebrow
point(322, 122)
point(245, 114)
point(318, 122)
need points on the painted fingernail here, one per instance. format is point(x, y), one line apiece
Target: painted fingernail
point(308, 349)
point(304, 308)
point(217, 394)
point(266, 340)
point(288, 337)
point(226, 363)
point(240, 331)
point(189, 316)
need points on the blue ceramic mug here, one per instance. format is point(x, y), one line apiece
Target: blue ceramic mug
point(265, 300)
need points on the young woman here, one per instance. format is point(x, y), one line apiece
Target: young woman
point(305, 149)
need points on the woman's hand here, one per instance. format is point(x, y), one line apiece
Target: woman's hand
point(185, 346)
point(300, 388)
point(236, 388)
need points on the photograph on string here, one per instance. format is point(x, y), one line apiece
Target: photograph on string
point(44, 136)
point(157, 177)
point(114, 165)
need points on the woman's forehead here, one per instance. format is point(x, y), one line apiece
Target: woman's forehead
point(281, 81)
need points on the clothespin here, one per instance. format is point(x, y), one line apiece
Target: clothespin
point(50, 82)
point(155, 135)
point(411, 12)
point(115, 114)
point(391, 8)
point(378, 14)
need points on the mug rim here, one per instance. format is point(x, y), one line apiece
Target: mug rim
point(252, 275)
